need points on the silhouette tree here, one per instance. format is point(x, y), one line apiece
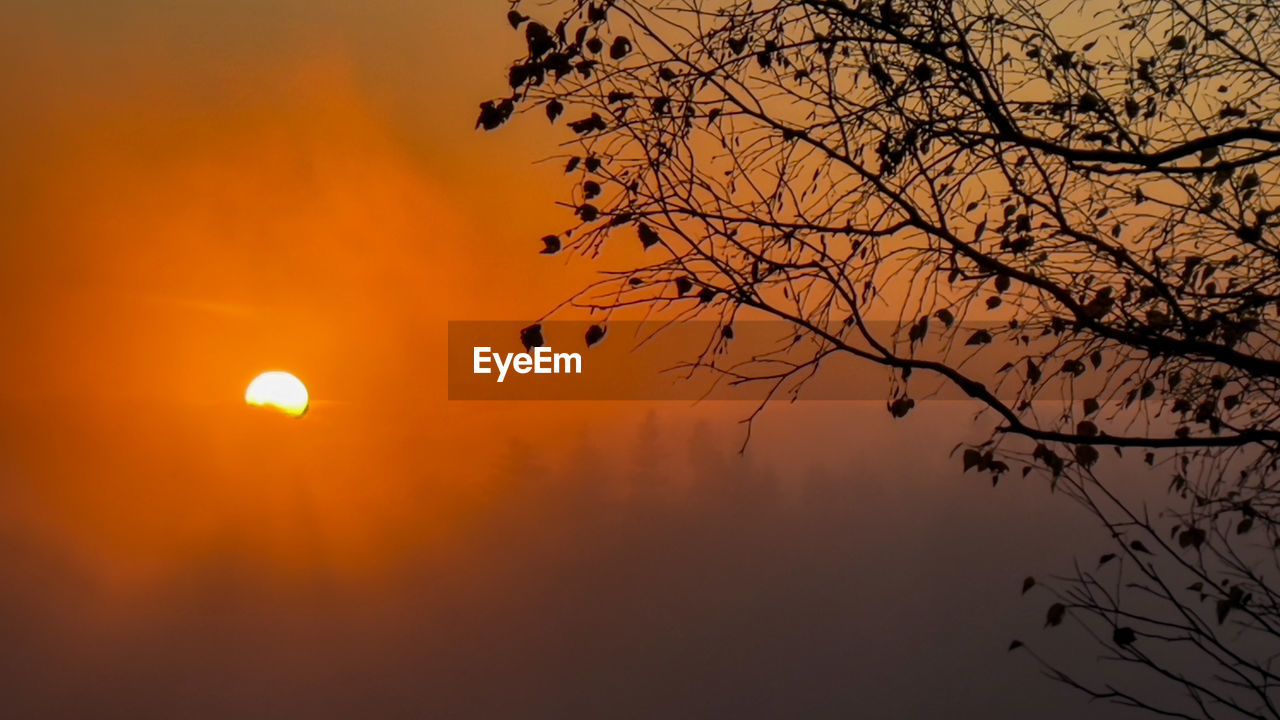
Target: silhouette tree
point(1084, 192)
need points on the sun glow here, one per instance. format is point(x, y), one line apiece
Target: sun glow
point(279, 390)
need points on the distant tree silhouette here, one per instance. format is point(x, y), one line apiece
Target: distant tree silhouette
point(1088, 192)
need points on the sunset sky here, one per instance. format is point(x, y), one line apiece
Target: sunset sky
point(193, 193)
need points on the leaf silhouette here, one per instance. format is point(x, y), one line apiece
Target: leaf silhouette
point(539, 40)
point(979, 337)
point(1224, 608)
point(531, 337)
point(1027, 584)
point(648, 236)
point(1124, 636)
point(1086, 455)
point(551, 245)
point(1192, 537)
point(493, 115)
point(1053, 617)
point(595, 334)
point(919, 330)
point(900, 407)
point(1033, 371)
point(972, 458)
point(620, 48)
point(585, 126)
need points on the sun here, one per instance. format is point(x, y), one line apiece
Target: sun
point(279, 390)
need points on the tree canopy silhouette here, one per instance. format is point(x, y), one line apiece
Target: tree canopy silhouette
point(1085, 190)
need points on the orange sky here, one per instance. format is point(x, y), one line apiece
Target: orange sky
point(192, 201)
point(195, 198)
point(193, 193)
point(198, 193)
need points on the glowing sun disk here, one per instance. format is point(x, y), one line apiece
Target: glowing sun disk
point(279, 390)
